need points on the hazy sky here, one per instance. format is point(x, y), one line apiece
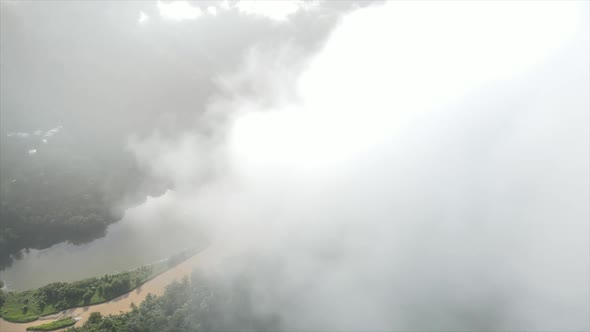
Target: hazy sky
point(101, 64)
point(403, 166)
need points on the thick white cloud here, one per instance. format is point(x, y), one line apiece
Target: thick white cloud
point(279, 11)
point(439, 50)
point(275, 10)
point(143, 17)
point(178, 10)
point(428, 169)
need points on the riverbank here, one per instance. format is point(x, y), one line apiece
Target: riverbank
point(29, 305)
point(155, 286)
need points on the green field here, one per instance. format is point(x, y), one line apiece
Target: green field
point(27, 306)
point(58, 324)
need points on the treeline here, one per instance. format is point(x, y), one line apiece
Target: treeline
point(29, 305)
point(66, 295)
point(2, 294)
point(198, 305)
point(66, 191)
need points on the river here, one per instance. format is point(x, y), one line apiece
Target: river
point(141, 237)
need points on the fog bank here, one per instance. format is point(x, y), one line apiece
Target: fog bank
point(427, 169)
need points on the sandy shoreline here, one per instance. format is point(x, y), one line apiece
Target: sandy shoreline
point(122, 303)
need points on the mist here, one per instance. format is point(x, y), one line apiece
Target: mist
point(418, 166)
point(427, 169)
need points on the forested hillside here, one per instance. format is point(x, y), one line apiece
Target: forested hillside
point(59, 187)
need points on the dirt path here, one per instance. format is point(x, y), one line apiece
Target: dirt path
point(122, 303)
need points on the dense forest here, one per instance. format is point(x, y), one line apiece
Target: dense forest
point(56, 187)
point(199, 305)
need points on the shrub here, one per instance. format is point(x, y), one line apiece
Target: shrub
point(94, 318)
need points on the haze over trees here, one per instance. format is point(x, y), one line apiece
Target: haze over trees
point(399, 165)
point(29, 305)
point(66, 172)
point(198, 305)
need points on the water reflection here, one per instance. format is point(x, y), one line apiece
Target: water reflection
point(139, 238)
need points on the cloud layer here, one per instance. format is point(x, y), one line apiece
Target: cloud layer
point(426, 170)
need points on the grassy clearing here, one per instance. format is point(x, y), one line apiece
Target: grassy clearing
point(58, 324)
point(27, 306)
